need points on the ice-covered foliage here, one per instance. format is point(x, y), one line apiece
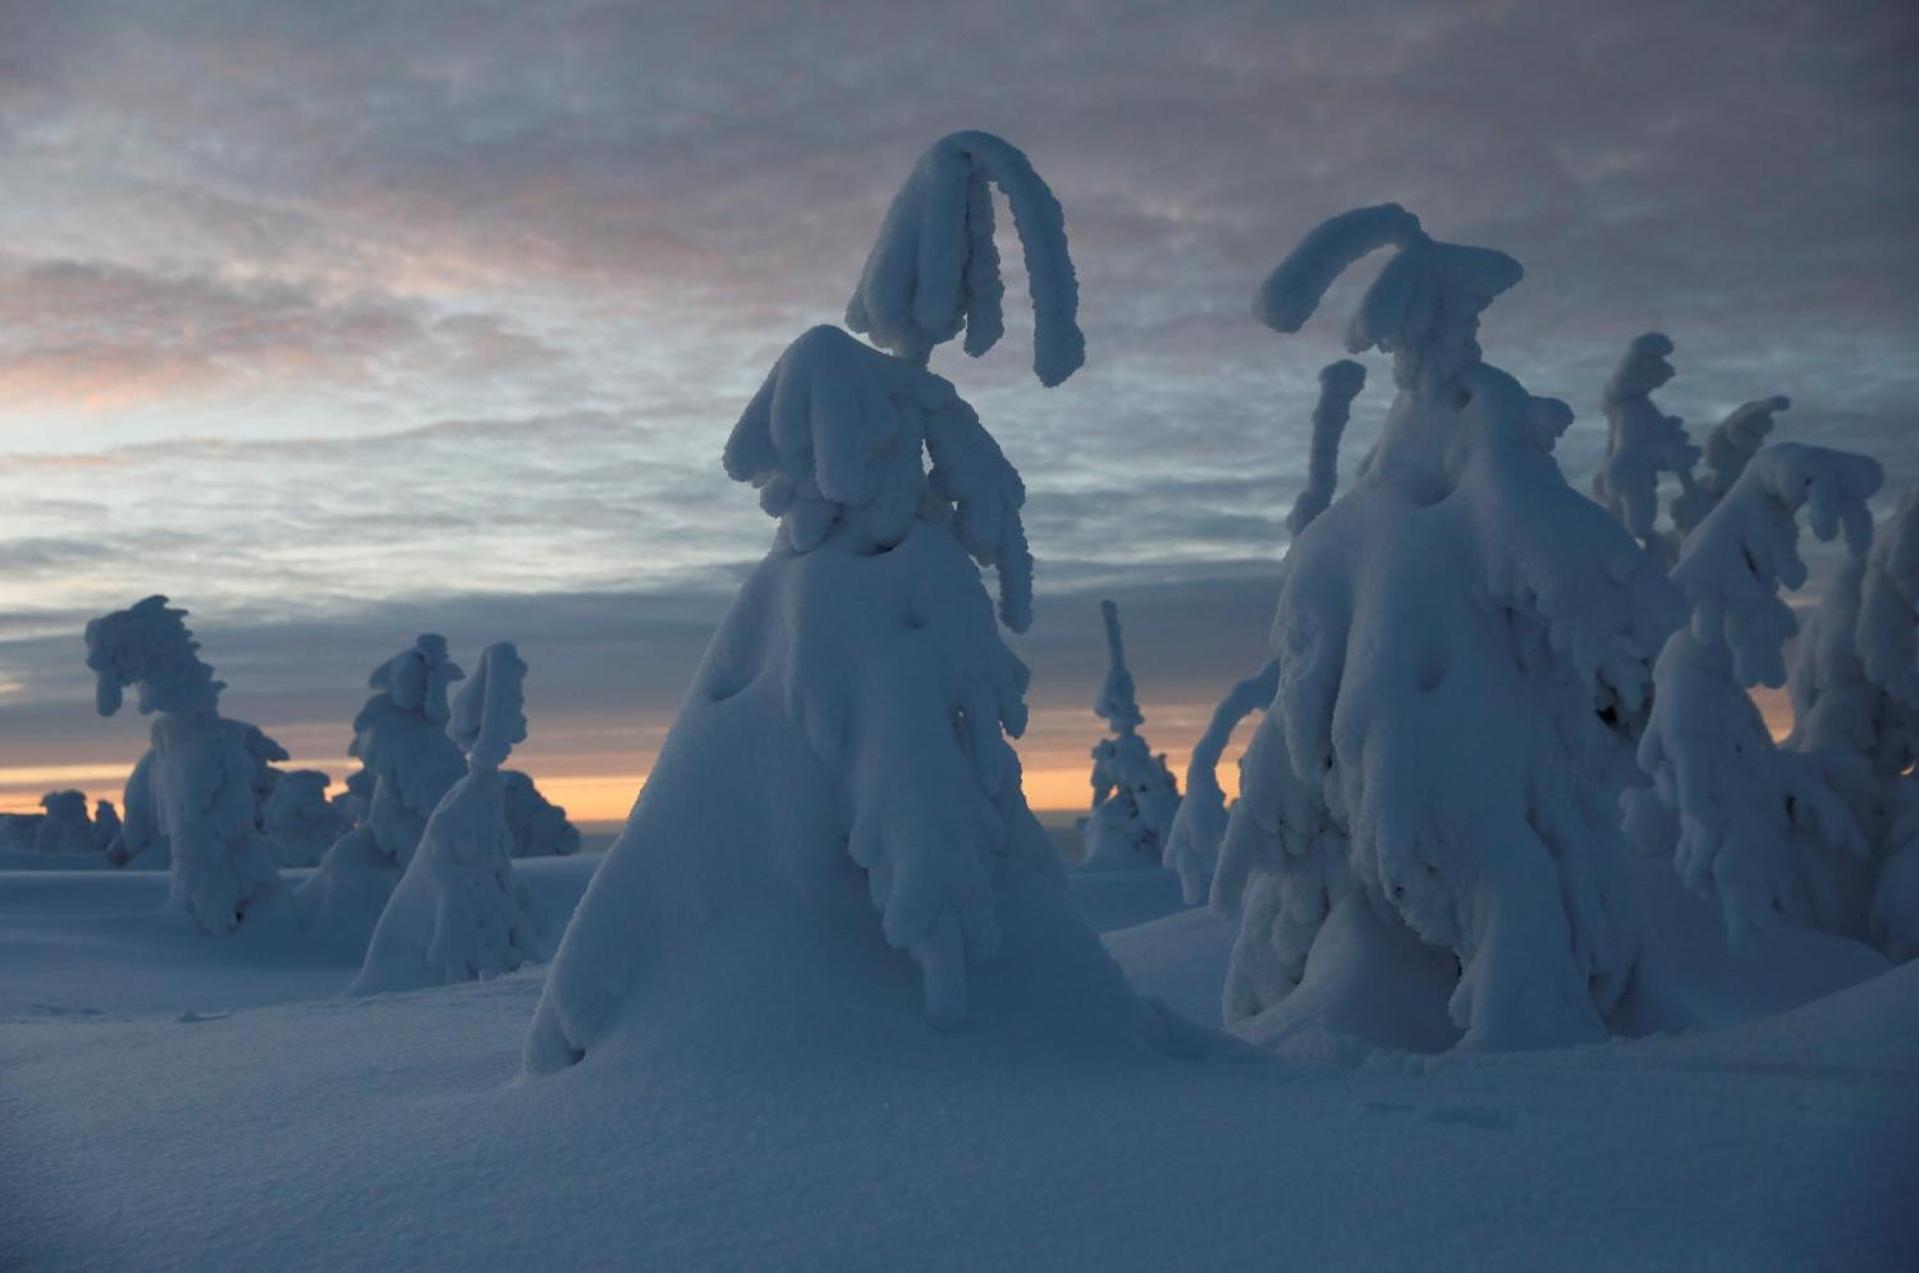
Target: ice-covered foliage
point(843, 749)
point(1766, 832)
point(1641, 443)
point(935, 269)
point(1134, 793)
point(1729, 448)
point(400, 737)
point(1464, 648)
point(199, 785)
point(106, 825)
point(65, 828)
point(1192, 846)
point(458, 914)
point(539, 827)
point(1339, 384)
point(299, 821)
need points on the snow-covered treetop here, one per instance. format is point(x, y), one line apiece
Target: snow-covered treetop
point(489, 713)
point(934, 268)
point(833, 443)
point(1644, 367)
point(417, 679)
point(1888, 634)
point(1642, 442)
point(1734, 563)
point(1736, 439)
point(1339, 384)
point(148, 645)
point(1118, 702)
point(1424, 306)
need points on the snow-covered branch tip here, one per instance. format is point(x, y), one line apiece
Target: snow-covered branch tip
point(1339, 384)
point(1424, 306)
point(417, 679)
point(934, 268)
point(1734, 563)
point(1118, 699)
point(489, 713)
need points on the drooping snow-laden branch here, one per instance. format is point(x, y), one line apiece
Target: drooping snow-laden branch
point(934, 268)
point(1339, 384)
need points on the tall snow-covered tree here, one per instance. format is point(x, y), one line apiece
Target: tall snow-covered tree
point(458, 914)
point(1134, 793)
point(199, 785)
point(400, 737)
point(1641, 443)
point(836, 814)
point(1192, 846)
point(1425, 850)
point(1768, 833)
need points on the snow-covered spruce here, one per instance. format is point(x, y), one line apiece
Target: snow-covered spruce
point(65, 828)
point(1768, 833)
point(539, 827)
point(400, 738)
point(843, 749)
point(299, 821)
point(1641, 443)
point(458, 914)
point(1728, 449)
point(1134, 793)
point(198, 787)
point(1192, 846)
point(1427, 832)
point(106, 825)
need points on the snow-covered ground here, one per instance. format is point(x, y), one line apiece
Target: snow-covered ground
point(174, 1101)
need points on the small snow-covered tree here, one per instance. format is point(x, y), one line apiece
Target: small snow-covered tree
point(540, 828)
point(65, 828)
point(458, 914)
point(400, 737)
point(1641, 443)
point(1729, 448)
point(843, 749)
point(106, 825)
point(198, 786)
point(299, 821)
point(1427, 828)
point(1134, 794)
point(1766, 832)
point(1192, 847)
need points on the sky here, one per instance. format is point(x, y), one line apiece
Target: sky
point(341, 322)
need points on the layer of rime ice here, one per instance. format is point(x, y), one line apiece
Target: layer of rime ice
point(106, 825)
point(833, 443)
point(458, 914)
point(299, 821)
point(400, 738)
point(539, 827)
point(1192, 846)
point(934, 267)
point(1769, 833)
point(65, 827)
point(844, 747)
point(1134, 794)
point(1643, 442)
point(1728, 449)
point(1339, 384)
point(199, 786)
point(1852, 688)
point(1464, 649)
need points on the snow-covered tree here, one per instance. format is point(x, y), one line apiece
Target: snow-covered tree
point(65, 828)
point(106, 825)
point(1426, 842)
point(1767, 832)
point(1134, 793)
point(843, 749)
point(400, 737)
point(1641, 443)
point(299, 821)
point(540, 828)
point(1729, 448)
point(198, 786)
point(458, 914)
